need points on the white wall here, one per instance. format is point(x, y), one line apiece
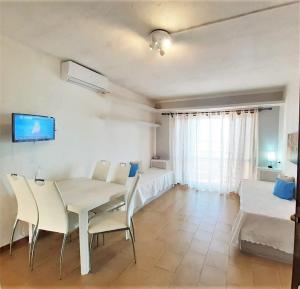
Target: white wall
point(30, 83)
point(291, 119)
point(162, 138)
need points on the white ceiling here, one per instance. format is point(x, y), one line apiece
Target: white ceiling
point(259, 50)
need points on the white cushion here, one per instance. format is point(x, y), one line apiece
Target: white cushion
point(108, 221)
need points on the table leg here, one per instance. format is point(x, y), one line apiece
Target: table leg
point(84, 243)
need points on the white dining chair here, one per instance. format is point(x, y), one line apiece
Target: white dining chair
point(121, 174)
point(120, 177)
point(101, 171)
point(27, 207)
point(53, 215)
point(116, 220)
point(119, 201)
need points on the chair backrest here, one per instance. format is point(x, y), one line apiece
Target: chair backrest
point(53, 215)
point(121, 174)
point(130, 202)
point(101, 170)
point(27, 207)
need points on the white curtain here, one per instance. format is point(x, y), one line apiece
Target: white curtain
point(213, 152)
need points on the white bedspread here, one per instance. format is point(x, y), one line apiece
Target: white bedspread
point(257, 199)
point(153, 183)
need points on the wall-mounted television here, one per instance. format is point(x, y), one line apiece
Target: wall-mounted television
point(31, 128)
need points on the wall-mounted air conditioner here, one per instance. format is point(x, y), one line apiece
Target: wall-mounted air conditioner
point(73, 72)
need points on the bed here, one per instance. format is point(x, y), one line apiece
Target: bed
point(154, 182)
point(263, 226)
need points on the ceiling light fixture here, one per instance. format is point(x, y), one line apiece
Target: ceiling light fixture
point(160, 40)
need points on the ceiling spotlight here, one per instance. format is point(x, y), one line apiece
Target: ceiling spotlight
point(160, 40)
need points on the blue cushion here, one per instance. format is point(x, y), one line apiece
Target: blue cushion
point(133, 169)
point(284, 190)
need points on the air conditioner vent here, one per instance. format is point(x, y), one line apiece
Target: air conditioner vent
point(73, 72)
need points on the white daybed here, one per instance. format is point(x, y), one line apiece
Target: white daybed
point(154, 182)
point(263, 226)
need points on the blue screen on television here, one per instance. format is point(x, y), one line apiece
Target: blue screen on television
point(32, 127)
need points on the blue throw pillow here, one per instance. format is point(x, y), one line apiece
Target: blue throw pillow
point(133, 169)
point(284, 190)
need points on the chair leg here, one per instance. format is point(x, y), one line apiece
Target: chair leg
point(133, 247)
point(30, 243)
point(12, 236)
point(103, 239)
point(133, 231)
point(34, 240)
point(91, 244)
point(62, 255)
point(97, 240)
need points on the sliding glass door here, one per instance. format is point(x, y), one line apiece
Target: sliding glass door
point(213, 152)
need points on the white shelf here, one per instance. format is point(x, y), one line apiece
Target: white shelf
point(131, 103)
point(147, 123)
point(127, 119)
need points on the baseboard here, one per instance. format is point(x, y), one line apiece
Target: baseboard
point(23, 241)
point(19, 242)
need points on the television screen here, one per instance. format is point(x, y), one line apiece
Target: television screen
point(27, 127)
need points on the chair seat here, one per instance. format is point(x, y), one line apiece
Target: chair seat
point(74, 221)
point(115, 203)
point(107, 221)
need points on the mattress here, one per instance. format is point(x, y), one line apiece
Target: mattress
point(263, 218)
point(153, 183)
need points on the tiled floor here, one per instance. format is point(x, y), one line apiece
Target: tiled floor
point(182, 241)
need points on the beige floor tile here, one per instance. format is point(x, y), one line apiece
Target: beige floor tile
point(193, 259)
point(223, 227)
point(207, 227)
point(180, 247)
point(217, 260)
point(150, 248)
point(132, 277)
point(169, 261)
point(213, 277)
point(200, 246)
point(158, 278)
point(266, 276)
point(285, 274)
point(219, 246)
point(237, 277)
point(185, 277)
point(203, 235)
point(222, 237)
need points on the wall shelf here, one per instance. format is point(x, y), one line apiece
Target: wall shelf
point(132, 120)
point(141, 106)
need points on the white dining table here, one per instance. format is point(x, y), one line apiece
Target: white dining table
point(82, 195)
